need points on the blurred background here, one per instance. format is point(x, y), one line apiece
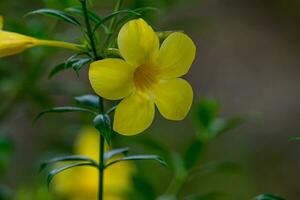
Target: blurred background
point(248, 59)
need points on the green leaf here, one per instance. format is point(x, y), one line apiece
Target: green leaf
point(77, 65)
point(207, 111)
point(193, 154)
point(103, 124)
point(214, 167)
point(66, 167)
point(6, 148)
point(139, 157)
point(232, 123)
point(268, 197)
point(112, 15)
point(67, 159)
point(294, 139)
point(109, 154)
point(88, 100)
point(57, 14)
point(60, 67)
point(63, 110)
point(143, 190)
point(128, 17)
point(91, 15)
point(208, 196)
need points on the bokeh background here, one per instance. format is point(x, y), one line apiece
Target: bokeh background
point(248, 59)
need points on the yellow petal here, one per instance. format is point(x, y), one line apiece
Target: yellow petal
point(173, 98)
point(87, 143)
point(13, 43)
point(176, 55)
point(133, 115)
point(111, 78)
point(1, 22)
point(138, 43)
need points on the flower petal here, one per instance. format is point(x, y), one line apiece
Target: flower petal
point(138, 43)
point(133, 115)
point(173, 98)
point(111, 78)
point(12, 43)
point(176, 55)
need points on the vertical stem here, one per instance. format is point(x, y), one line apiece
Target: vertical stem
point(101, 106)
point(101, 167)
point(89, 29)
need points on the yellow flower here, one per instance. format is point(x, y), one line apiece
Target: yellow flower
point(13, 43)
point(147, 76)
point(82, 183)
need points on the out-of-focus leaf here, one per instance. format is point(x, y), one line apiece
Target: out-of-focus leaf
point(294, 139)
point(64, 110)
point(103, 124)
point(67, 159)
point(109, 154)
point(142, 189)
point(77, 10)
point(232, 123)
point(139, 157)
point(54, 172)
point(268, 197)
point(193, 153)
point(57, 14)
point(206, 112)
point(209, 196)
point(215, 167)
point(5, 151)
point(88, 100)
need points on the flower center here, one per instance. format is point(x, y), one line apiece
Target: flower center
point(145, 76)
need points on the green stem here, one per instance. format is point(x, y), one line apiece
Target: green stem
point(101, 106)
point(89, 29)
point(101, 167)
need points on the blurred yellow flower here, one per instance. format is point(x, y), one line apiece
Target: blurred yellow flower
point(82, 183)
point(147, 76)
point(13, 43)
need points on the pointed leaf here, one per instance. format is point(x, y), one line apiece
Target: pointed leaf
point(109, 154)
point(77, 10)
point(112, 15)
point(66, 167)
point(57, 14)
point(103, 124)
point(63, 110)
point(60, 67)
point(66, 159)
point(139, 157)
point(88, 100)
point(268, 197)
point(77, 65)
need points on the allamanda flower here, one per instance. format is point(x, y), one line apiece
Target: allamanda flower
point(82, 183)
point(147, 76)
point(13, 43)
